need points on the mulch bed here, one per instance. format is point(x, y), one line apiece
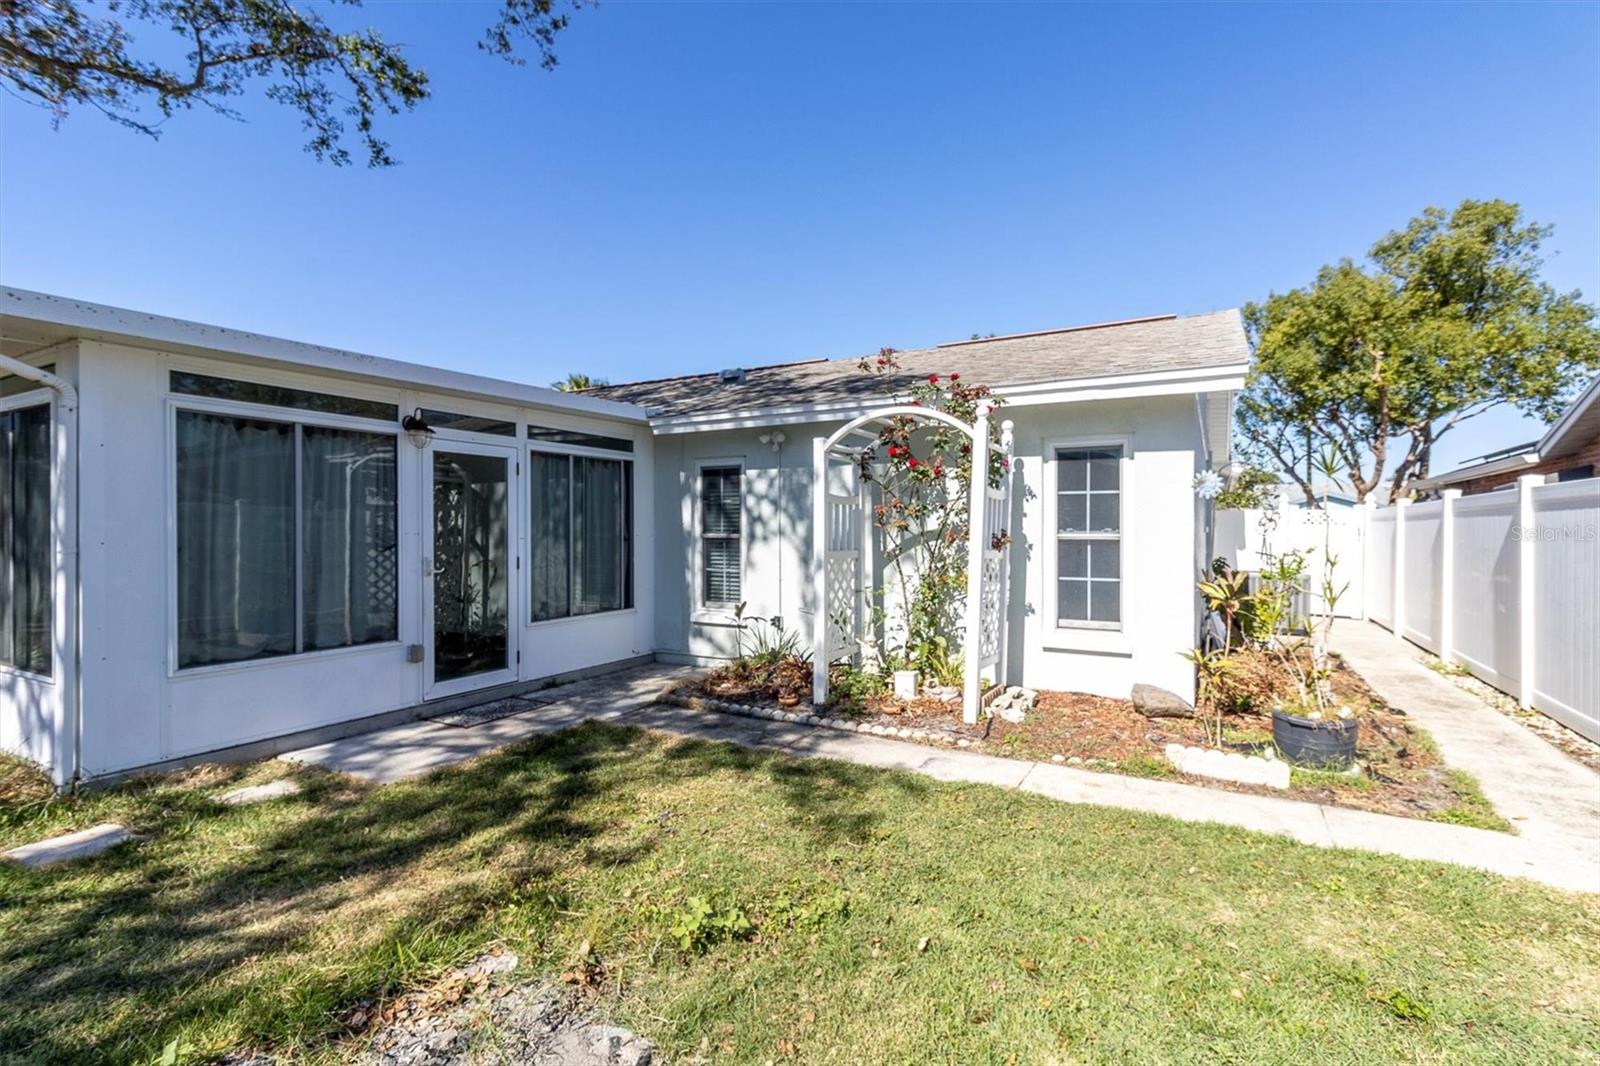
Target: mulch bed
point(1401, 772)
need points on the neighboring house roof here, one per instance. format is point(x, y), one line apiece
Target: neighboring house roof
point(1138, 348)
point(30, 321)
point(1578, 425)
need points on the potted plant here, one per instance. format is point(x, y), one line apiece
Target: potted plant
point(1313, 731)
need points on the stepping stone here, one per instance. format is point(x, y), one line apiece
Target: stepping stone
point(243, 797)
point(79, 845)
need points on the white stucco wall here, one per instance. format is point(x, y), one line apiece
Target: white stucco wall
point(1162, 543)
point(139, 710)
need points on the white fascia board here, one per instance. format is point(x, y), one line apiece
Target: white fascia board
point(116, 325)
point(1509, 464)
point(1570, 418)
point(1080, 390)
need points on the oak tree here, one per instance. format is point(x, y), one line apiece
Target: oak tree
point(64, 54)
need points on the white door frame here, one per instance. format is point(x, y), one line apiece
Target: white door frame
point(512, 454)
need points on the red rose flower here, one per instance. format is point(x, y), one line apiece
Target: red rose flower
point(912, 462)
point(933, 379)
point(955, 377)
point(938, 471)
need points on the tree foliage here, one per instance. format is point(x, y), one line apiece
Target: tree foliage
point(577, 381)
point(1447, 319)
point(63, 54)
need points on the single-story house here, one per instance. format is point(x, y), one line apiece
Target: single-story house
point(1569, 451)
point(220, 544)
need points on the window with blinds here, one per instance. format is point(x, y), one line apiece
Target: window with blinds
point(721, 529)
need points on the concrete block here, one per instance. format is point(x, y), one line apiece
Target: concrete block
point(73, 846)
point(1229, 766)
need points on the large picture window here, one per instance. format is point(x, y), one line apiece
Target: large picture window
point(26, 570)
point(721, 533)
point(1089, 536)
point(582, 535)
point(287, 538)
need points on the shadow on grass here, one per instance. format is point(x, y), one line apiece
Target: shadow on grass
point(263, 922)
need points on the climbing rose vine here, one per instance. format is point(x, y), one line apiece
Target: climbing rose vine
point(923, 470)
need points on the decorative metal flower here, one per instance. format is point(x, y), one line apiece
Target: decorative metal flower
point(1207, 484)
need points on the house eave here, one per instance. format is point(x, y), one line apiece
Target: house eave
point(1227, 378)
point(1510, 464)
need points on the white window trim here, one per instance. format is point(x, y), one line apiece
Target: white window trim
point(177, 402)
point(1107, 637)
point(42, 397)
point(581, 452)
point(717, 613)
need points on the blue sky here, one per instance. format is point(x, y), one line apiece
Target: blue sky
point(706, 185)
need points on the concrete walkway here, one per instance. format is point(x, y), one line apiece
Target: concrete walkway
point(626, 699)
point(1550, 797)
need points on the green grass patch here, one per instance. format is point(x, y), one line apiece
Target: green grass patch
point(798, 910)
point(1474, 808)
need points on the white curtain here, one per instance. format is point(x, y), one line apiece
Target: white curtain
point(236, 509)
point(598, 568)
point(552, 499)
point(26, 560)
point(349, 543)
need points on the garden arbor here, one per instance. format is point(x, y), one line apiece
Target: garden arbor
point(843, 557)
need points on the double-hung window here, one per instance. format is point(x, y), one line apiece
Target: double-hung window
point(287, 537)
point(1089, 536)
point(721, 534)
point(27, 571)
point(582, 535)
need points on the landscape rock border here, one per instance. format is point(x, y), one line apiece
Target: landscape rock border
point(672, 696)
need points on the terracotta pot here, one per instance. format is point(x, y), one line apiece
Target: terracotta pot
point(787, 700)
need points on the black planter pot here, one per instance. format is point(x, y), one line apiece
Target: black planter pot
point(1328, 742)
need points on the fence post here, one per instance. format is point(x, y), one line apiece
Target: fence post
point(1367, 507)
point(978, 498)
point(1524, 534)
point(1447, 578)
point(1399, 567)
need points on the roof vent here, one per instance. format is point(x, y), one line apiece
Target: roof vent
point(732, 377)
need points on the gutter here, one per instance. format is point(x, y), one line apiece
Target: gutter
point(64, 502)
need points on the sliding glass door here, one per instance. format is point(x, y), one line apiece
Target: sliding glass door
point(471, 566)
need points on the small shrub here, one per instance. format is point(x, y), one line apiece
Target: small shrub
point(850, 687)
point(700, 923)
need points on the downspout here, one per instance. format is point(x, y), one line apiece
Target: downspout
point(63, 501)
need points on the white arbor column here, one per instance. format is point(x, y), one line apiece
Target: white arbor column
point(976, 508)
point(819, 571)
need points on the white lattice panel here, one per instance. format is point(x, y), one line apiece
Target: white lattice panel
point(842, 585)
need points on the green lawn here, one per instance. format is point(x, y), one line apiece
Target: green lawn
point(894, 919)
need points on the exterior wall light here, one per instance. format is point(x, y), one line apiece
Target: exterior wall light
point(417, 428)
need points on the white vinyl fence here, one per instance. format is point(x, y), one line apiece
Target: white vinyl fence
point(1245, 541)
point(1505, 583)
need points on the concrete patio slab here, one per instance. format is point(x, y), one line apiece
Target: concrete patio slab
point(417, 748)
point(71, 847)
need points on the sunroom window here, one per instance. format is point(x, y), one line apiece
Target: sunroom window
point(582, 535)
point(26, 571)
point(287, 538)
point(1089, 536)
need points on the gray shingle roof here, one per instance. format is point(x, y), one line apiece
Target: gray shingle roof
point(1173, 342)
